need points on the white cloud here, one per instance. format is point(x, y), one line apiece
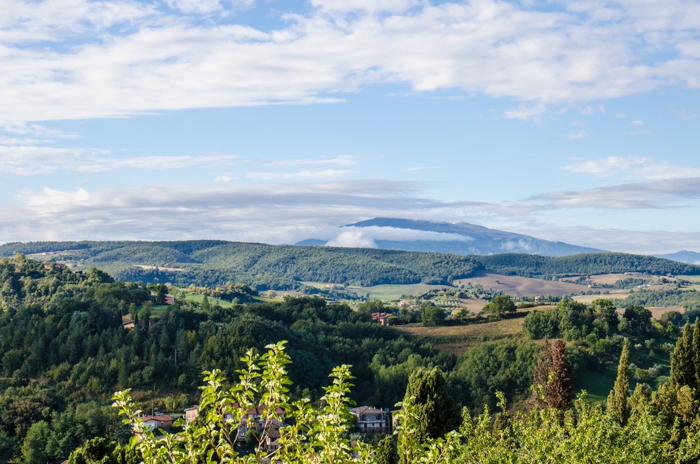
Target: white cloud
point(658, 194)
point(195, 6)
point(29, 160)
point(637, 122)
point(620, 115)
point(398, 234)
point(306, 174)
point(635, 167)
point(284, 214)
point(607, 167)
point(352, 239)
point(160, 62)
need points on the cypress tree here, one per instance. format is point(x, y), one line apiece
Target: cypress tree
point(682, 361)
point(560, 392)
point(617, 400)
point(385, 451)
point(541, 374)
point(429, 412)
point(696, 353)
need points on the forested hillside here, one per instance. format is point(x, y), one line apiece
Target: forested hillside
point(210, 262)
point(215, 262)
point(583, 264)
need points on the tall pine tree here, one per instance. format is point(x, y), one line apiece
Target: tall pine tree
point(617, 400)
point(560, 391)
point(683, 361)
point(541, 375)
point(429, 412)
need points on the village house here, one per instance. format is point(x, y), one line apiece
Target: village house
point(381, 318)
point(370, 420)
point(254, 418)
point(157, 421)
point(55, 265)
point(191, 413)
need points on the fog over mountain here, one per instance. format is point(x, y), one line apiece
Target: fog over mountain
point(685, 256)
point(461, 238)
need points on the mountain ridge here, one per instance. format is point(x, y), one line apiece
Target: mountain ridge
point(477, 240)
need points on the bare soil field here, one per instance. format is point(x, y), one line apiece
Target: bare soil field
point(522, 286)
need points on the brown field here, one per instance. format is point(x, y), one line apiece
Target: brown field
point(522, 286)
point(614, 295)
point(473, 304)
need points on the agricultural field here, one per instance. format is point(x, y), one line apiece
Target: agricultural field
point(384, 292)
point(521, 286)
point(459, 338)
point(613, 294)
point(200, 298)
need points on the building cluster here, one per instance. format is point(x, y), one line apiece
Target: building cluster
point(368, 420)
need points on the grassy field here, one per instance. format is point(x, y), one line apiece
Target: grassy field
point(459, 338)
point(385, 292)
point(200, 298)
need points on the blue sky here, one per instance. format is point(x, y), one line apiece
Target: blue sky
point(277, 121)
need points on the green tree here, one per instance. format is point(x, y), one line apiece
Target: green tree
point(428, 412)
point(385, 452)
point(432, 316)
point(145, 315)
point(618, 408)
point(499, 305)
point(162, 293)
point(682, 360)
point(34, 446)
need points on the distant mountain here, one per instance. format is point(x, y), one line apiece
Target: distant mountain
point(463, 239)
point(688, 257)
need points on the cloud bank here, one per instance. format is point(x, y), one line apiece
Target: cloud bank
point(96, 59)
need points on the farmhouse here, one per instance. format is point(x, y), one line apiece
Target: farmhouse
point(55, 265)
point(254, 418)
point(371, 420)
point(157, 421)
point(381, 318)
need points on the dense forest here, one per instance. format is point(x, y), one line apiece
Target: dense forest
point(210, 262)
point(64, 349)
point(582, 264)
point(215, 262)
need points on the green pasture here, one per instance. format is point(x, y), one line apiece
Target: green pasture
point(386, 292)
point(212, 301)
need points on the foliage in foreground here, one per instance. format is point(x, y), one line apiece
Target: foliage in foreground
point(583, 434)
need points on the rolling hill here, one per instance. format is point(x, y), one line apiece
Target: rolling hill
point(215, 262)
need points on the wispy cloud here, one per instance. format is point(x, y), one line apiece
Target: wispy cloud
point(306, 174)
point(633, 167)
point(89, 59)
point(660, 194)
point(283, 214)
point(637, 122)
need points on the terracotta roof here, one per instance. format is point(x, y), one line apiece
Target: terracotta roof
point(275, 434)
point(366, 410)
